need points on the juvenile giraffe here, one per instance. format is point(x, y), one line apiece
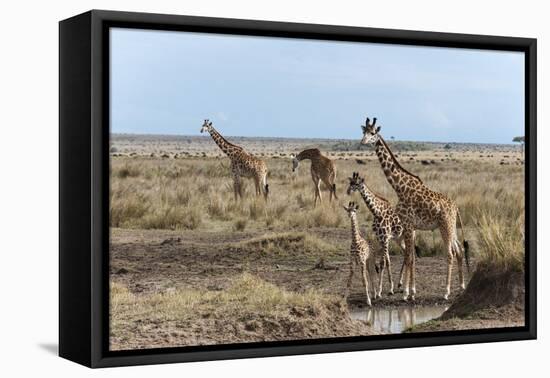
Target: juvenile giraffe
point(360, 252)
point(386, 225)
point(322, 169)
point(419, 208)
point(243, 164)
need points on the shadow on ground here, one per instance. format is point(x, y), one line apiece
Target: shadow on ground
point(51, 348)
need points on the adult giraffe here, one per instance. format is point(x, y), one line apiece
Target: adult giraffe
point(419, 208)
point(243, 164)
point(322, 169)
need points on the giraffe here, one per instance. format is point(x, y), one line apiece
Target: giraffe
point(360, 251)
point(243, 164)
point(419, 208)
point(386, 226)
point(322, 169)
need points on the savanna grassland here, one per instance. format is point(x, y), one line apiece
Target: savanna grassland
point(190, 265)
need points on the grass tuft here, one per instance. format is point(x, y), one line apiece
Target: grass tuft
point(501, 243)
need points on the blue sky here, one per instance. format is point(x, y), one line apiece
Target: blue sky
point(169, 82)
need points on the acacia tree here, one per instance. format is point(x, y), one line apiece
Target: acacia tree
point(520, 139)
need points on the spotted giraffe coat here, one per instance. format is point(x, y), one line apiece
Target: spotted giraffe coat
point(419, 208)
point(243, 164)
point(386, 226)
point(322, 169)
point(360, 252)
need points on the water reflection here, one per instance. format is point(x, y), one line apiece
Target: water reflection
point(396, 320)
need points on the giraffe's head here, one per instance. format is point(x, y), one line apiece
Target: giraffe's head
point(295, 162)
point(370, 133)
point(351, 209)
point(206, 126)
point(355, 183)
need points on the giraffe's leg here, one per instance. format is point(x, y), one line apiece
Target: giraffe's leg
point(459, 259)
point(413, 266)
point(385, 261)
point(257, 185)
point(390, 278)
point(236, 186)
point(409, 246)
point(378, 291)
point(401, 243)
point(447, 242)
point(400, 284)
point(365, 281)
point(350, 277)
point(318, 188)
point(265, 187)
point(331, 189)
point(240, 188)
point(317, 185)
point(315, 200)
point(315, 189)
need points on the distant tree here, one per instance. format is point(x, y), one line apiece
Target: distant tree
point(521, 140)
point(447, 146)
point(392, 138)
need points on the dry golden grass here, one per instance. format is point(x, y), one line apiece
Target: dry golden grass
point(197, 193)
point(501, 242)
point(250, 309)
point(246, 293)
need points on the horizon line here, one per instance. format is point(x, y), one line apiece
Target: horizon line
point(304, 138)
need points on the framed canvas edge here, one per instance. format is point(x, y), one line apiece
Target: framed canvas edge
point(99, 137)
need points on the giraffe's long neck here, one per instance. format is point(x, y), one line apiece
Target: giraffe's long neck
point(372, 200)
point(399, 178)
point(225, 146)
point(355, 235)
point(310, 154)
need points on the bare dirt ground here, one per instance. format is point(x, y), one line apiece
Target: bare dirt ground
point(150, 262)
point(497, 317)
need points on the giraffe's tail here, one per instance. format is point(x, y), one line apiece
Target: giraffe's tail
point(334, 191)
point(266, 187)
point(464, 242)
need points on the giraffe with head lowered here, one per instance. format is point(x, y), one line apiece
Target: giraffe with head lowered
point(419, 208)
point(322, 169)
point(243, 164)
point(386, 226)
point(360, 252)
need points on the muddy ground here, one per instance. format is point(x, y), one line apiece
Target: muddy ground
point(151, 262)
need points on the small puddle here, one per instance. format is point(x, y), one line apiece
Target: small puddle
point(396, 320)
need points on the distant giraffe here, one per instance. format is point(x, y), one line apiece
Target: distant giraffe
point(322, 169)
point(360, 252)
point(243, 164)
point(386, 225)
point(419, 208)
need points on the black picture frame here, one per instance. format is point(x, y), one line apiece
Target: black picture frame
point(84, 186)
